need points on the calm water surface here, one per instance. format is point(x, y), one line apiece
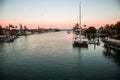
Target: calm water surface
point(51, 56)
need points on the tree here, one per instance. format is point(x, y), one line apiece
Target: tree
point(108, 30)
point(112, 31)
point(91, 30)
point(1, 30)
point(76, 25)
point(11, 26)
point(100, 29)
point(117, 25)
point(76, 28)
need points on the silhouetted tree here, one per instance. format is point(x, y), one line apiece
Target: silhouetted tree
point(76, 26)
point(108, 30)
point(91, 30)
point(11, 26)
point(1, 32)
point(117, 25)
point(25, 27)
point(112, 31)
point(84, 25)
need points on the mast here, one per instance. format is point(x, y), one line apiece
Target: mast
point(80, 17)
point(80, 13)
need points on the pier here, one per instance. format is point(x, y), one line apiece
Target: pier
point(113, 43)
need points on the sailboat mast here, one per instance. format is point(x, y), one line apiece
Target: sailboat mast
point(80, 13)
point(80, 17)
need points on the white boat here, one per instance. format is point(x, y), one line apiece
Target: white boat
point(80, 41)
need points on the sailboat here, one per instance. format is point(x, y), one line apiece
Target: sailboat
point(80, 40)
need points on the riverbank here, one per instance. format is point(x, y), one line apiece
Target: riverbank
point(11, 38)
point(112, 43)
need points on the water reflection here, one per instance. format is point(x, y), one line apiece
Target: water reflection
point(114, 55)
point(1, 62)
point(111, 54)
point(1, 72)
point(52, 57)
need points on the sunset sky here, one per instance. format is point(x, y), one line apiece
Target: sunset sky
point(58, 13)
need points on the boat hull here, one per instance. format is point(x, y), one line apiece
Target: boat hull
point(80, 44)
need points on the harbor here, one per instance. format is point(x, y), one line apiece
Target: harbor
point(34, 57)
point(10, 33)
point(59, 39)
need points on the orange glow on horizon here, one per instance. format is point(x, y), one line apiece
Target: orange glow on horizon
point(96, 24)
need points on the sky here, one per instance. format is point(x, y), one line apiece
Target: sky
point(58, 13)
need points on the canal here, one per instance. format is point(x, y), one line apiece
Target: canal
point(51, 56)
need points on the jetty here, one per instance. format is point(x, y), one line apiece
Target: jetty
point(113, 43)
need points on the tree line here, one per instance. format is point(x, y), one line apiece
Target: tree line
point(109, 30)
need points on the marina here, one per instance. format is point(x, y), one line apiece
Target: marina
point(58, 60)
point(59, 40)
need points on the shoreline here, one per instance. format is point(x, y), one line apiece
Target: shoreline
point(112, 43)
point(11, 38)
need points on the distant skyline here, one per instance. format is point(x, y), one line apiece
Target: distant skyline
point(58, 13)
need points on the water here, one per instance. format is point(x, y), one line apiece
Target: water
point(51, 56)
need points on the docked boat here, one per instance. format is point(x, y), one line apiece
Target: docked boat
point(95, 41)
point(80, 40)
point(91, 41)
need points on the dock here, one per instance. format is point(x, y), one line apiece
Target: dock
point(113, 43)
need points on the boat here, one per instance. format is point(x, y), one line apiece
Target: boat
point(91, 41)
point(80, 40)
point(95, 41)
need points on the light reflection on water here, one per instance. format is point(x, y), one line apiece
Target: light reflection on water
point(51, 56)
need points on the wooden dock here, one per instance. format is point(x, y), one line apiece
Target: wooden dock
point(115, 44)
